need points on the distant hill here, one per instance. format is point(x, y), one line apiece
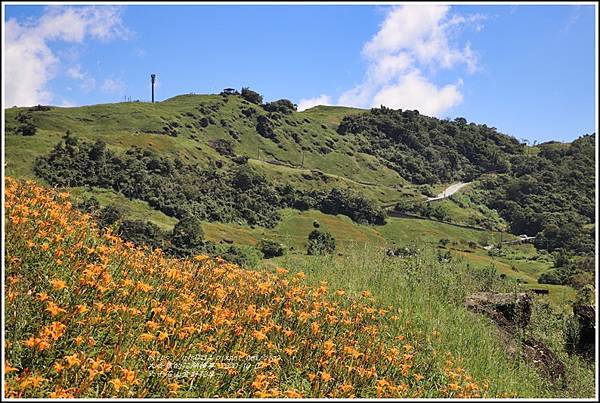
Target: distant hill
point(381, 154)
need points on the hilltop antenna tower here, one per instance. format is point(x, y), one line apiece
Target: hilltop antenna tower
point(153, 80)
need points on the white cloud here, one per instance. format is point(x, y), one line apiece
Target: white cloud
point(31, 64)
point(87, 83)
point(113, 86)
point(310, 102)
point(413, 42)
point(413, 91)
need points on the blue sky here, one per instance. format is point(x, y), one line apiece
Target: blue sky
point(528, 70)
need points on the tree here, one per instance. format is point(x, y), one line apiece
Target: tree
point(320, 243)
point(284, 106)
point(270, 248)
point(251, 96)
point(188, 234)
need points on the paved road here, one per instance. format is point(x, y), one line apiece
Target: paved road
point(449, 191)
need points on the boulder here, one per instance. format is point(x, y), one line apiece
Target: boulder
point(509, 311)
point(582, 338)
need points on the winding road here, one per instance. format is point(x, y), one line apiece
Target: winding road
point(449, 191)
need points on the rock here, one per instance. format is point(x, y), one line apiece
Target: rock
point(509, 311)
point(582, 339)
point(548, 363)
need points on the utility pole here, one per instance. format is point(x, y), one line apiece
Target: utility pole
point(153, 80)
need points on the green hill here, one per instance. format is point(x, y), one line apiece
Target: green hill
point(191, 154)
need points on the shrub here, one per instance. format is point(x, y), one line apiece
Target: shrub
point(188, 234)
point(241, 255)
point(110, 215)
point(251, 96)
point(284, 106)
point(320, 243)
point(142, 233)
point(264, 127)
point(270, 248)
point(223, 147)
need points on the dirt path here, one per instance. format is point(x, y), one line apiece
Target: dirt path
point(449, 191)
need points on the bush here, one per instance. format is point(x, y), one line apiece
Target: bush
point(242, 255)
point(557, 276)
point(223, 147)
point(284, 106)
point(320, 243)
point(270, 248)
point(110, 215)
point(188, 234)
point(142, 233)
point(251, 96)
point(264, 127)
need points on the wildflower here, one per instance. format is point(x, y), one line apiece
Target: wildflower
point(454, 386)
point(58, 367)
point(58, 284)
point(290, 351)
point(173, 387)
point(146, 337)
point(162, 336)
point(8, 368)
point(117, 384)
point(293, 394)
point(326, 377)
point(72, 360)
point(258, 335)
point(81, 308)
point(54, 309)
point(42, 296)
point(314, 328)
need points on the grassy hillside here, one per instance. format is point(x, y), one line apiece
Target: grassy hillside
point(87, 315)
point(318, 149)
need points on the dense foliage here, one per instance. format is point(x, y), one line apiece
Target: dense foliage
point(320, 243)
point(428, 150)
point(284, 106)
point(549, 195)
point(240, 194)
point(251, 96)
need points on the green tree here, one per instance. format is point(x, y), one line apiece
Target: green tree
point(188, 234)
point(320, 243)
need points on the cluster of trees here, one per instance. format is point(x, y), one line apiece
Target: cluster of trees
point(241, 194)
point(185, 240)
point(549, 195)
point(568, 270)
point(428, 150)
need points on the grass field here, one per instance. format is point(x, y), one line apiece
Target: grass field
point(85, 311)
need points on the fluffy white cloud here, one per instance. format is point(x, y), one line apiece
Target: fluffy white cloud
point(31, 64)
point(310, 102)
point(413, 42)
point(413, 91)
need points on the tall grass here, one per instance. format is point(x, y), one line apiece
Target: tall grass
point(431, 294)
point(88, 315)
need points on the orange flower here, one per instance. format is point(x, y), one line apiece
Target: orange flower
point(72, 360)
point(54, 309)
point(58, 284)
point(326, 377)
